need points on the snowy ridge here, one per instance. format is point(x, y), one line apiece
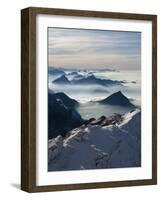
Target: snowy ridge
point(99, 145)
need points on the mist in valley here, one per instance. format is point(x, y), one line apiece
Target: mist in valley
point(87, 95)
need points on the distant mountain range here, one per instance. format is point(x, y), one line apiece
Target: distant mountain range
point(117, 99)
point(89, 80)
point(94, 80)
point(68, 69)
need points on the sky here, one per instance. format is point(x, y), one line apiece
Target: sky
point(93, 49)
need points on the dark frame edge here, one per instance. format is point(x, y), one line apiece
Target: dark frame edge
point(86, 186)
point(28, 100)
point(91, 13)
point(154, 99)
point(24, 99)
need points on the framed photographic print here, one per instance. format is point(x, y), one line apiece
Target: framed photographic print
point(89, 99)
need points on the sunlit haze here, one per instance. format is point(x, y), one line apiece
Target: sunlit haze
point(93, 49)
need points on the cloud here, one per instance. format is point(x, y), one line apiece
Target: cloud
point(86, 48)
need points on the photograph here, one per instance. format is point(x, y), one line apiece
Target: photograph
point(89, 99)
point(94, 99)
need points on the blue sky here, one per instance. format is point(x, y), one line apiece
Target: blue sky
point(80, 48)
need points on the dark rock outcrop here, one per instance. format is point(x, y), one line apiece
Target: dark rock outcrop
point(62, 80)
point(117, 99)
point(62, 116)
point(67, 101)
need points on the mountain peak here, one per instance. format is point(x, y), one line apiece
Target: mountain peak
point(62, 80)
point(69, 102)
point(117, 98)
point(119, 92)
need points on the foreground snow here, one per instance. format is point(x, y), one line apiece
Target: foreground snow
point(99, 145)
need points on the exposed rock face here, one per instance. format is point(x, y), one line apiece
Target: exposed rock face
point(117, 99)
point(69, 102)
point(103, 143)
point(62, 116)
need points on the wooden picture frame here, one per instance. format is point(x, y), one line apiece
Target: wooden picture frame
point(28, 98)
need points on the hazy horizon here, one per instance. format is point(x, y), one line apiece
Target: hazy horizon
point(94, 49)
point(92, 68)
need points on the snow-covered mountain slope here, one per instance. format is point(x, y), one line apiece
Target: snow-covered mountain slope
point(99, 145)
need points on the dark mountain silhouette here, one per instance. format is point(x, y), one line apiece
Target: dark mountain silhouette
point(73, 73)
point(89, 80)
point(79, 76)
point(117, 99)
point(62, 116)
point(67, 101)
point(61, 80)
point(93, 80)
